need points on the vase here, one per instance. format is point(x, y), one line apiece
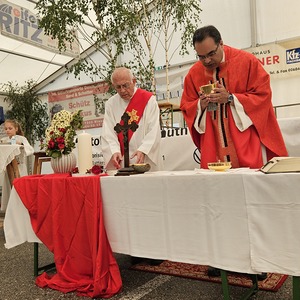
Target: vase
point(64, 164)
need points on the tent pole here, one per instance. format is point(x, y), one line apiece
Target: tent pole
point(253, 18)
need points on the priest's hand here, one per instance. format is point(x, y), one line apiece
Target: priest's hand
point(204, 100)
point(140, 157)
point(219, 95)
point(117, 159)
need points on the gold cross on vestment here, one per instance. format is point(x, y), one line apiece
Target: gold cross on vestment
point(133, 116)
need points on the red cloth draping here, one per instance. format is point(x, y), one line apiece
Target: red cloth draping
point(66, 215)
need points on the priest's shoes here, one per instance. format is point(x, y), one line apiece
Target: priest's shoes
point(138, 260)
point(155, 262)
point(213, 272)
point(262, 276)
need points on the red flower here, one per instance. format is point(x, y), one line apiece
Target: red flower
point(96, 169)
point(75, 170)
point(60, 140)
point(63, 130)
point(51, 144)
point(61, 146)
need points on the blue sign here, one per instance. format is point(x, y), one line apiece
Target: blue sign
point(293, 56)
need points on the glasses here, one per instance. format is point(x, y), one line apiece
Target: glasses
point(122, 86)
point(209, 55)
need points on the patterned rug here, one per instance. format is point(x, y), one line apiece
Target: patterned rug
point(272, 283)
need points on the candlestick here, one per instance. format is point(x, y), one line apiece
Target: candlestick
point(84, 152)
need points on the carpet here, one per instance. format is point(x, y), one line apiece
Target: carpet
point(272, 283)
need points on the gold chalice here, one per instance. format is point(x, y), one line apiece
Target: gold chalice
point(208, 88)
point(219, 166)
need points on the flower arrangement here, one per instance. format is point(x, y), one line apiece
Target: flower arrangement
point(61, 132)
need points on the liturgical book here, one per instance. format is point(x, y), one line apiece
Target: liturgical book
point(282, 165)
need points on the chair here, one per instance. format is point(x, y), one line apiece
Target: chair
point(167, 110)
point(39, 158)
point(13, 171)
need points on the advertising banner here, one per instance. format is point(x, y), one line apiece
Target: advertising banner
point(88, 98)
point(19, 23)
point(280, 59)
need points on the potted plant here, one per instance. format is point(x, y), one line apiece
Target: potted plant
point(26, 107)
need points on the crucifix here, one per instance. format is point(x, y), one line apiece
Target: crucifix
point(124, 129)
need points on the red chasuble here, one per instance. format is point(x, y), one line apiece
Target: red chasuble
point(66, 215)
point(135, 110)
point(243, 76)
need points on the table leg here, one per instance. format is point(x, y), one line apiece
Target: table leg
point(253, 290)
point(35, 259)
point(36, 267)
point(296, 287)
point(225, 286)
point(13, 171)
point(248, 294)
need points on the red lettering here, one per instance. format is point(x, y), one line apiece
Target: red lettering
point(275, 59)
point(269, 60)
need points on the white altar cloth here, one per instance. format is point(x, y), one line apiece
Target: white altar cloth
point(241, 220)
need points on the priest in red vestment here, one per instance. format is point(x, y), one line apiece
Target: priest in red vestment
point(236, 122)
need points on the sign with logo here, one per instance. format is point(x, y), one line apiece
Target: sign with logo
point(19, 23)
point(293, 56)
point(280, 59)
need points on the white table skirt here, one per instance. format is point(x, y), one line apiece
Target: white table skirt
point(242, 220)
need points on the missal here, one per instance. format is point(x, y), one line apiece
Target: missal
point(282, 165)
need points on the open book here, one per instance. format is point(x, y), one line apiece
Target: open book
point(282, 165)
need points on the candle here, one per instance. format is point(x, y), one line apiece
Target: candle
point(84, 152)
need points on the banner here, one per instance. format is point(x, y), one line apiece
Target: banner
point(19, 23)
point(280, 59)
point(88, 98)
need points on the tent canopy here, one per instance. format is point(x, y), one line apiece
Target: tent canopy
point(23, 59)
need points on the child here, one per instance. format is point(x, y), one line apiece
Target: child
point(14, 133)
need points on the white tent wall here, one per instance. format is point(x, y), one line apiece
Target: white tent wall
point(279, 21)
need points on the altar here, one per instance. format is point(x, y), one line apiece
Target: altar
point(241, 220)
point(196, 217)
